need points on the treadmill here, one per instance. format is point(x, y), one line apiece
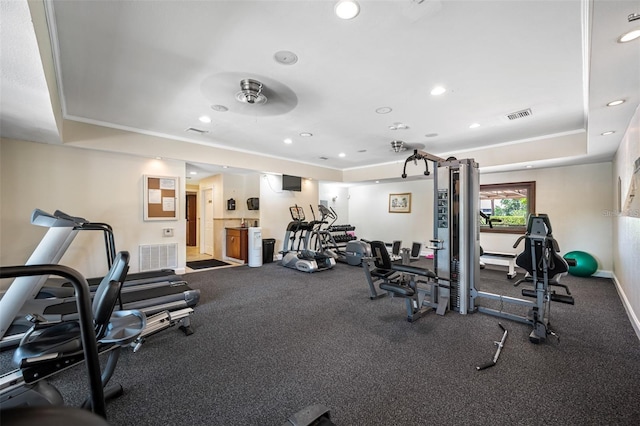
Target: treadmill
point(156, 292)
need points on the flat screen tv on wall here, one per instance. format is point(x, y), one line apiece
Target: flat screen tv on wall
point(291, 183)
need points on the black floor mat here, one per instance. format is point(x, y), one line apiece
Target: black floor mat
point(203, 264)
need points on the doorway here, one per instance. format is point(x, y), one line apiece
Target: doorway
point(197, 215)
point(207, 226)
point(192, 219)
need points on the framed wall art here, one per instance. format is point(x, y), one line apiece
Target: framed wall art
point(400, 203)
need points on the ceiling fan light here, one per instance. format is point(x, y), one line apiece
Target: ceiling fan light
point(251, 92)
point(398, 146)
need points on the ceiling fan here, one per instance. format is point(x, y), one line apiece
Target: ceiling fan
point(258, 95)
point(401, 146)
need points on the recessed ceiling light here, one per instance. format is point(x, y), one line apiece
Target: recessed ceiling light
point(474, 126)
point(529, 166)
point(225, 167)
point(384, 110)
point(342, 154)
point(219, 108)
point(285, 57)
point(608, 132)
point(158, 158)
point(205, 119)
point(288, 141)
point(377, 181)
point(306, 134)
point(193, 173)
point(629, 36)
point(616, 102)
point(347, 9)
point(438, 90)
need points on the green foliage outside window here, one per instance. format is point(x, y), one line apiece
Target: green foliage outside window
point(508, 205)
point(510, 220)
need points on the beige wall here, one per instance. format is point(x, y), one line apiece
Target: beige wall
point(337, 197)
point(275, 203)
point(100, 186)
point(626, 227)
point(369, 212)
point(576, 198)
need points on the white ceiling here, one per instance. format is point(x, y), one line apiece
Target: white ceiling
point(155, 67)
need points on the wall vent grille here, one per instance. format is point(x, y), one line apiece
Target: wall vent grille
point(520, 114)
point(158, 256)
point(198, 131)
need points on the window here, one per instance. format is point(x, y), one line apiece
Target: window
point(505, 207)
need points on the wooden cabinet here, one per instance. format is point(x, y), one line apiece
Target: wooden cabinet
point(237, 243)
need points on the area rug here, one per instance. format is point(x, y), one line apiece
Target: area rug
point(203, 264)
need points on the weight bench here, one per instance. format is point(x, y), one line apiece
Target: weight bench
point(502, 259)
point(406, 282)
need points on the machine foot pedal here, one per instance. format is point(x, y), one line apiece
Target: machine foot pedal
point(400, 290)
point(562, 298)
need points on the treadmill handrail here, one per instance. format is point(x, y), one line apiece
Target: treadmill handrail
point(77, 219)
point(42, 218)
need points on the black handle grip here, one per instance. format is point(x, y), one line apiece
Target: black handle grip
point(485, 366)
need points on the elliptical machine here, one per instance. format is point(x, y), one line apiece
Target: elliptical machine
point(296, 253)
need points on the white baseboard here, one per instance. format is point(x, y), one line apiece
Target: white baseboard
point(180, 271)
point(635, 322)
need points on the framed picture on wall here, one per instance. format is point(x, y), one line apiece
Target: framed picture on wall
point(400, 203)
point(160, 197)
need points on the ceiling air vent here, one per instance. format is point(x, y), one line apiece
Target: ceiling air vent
point(324, 158)
point(520, 114)
point(198, 131)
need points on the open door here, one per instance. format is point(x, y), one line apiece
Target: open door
point(192, 218)
point(207, 227)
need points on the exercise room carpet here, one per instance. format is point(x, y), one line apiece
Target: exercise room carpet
point(205, 264)
point(269, 341)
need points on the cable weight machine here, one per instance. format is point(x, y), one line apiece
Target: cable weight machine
point(455, 228)
point(456, 245)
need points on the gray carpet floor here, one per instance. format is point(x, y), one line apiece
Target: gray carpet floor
point(269, 341)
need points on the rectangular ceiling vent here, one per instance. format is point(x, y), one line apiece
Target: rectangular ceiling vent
point(198, 131)
point(520, 114)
